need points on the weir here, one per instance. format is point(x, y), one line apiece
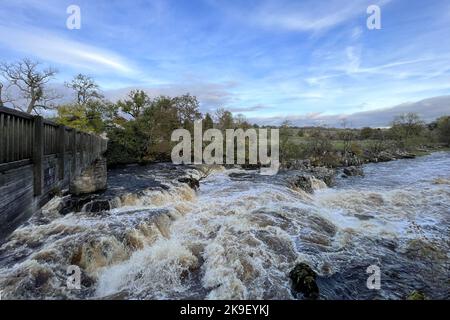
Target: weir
point(38, 159)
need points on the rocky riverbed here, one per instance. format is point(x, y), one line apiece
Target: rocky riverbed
point(169, 232)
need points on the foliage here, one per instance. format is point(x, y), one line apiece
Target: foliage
point(366, 133)
point(208, 122)
point(135, 103)
point(86, 89)
point(443, 128)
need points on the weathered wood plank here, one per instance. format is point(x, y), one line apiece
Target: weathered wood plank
point(2, 137)
point(38, 155)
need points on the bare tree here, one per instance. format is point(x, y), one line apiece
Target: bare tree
point(30, 82)
point(2, 99)
point(85, 88)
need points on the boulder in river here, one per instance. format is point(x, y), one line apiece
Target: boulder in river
point(304, 281)
point(191, 182)
point(353, 171)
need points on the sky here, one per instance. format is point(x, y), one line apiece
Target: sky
point(266, 59)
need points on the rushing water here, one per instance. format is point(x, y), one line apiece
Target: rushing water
point(240, 235)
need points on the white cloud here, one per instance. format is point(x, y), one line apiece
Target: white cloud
point(309, 16)
point(56, 49)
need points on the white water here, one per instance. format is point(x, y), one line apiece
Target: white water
point(239, 238)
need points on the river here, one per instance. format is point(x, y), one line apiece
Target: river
point(240, 234)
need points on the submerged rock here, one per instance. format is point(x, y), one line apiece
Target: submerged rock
point(308, 180)
point(303, 182)
point(353, 171)
point(418, 249)
point(304, 281)
point(191, 182)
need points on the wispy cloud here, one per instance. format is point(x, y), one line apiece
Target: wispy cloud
point(56, 49)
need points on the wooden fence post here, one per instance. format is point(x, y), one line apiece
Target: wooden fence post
point(61, 150)
point(38, 155)
point(2, 138)
point(74, 154)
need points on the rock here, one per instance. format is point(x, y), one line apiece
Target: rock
point(296, 164)
point(97, 206)
point(417, 295)
point(353, 171)
point(303, 182)
point(92, 179)
point(307, 179)
point(418, 249)
point(404, 155)
point(191, 182)
point(325, 174)
point(304, 281)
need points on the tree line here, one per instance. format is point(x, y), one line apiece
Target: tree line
point(139, 127)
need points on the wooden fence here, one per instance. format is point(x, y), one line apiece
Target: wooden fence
point(27, 139)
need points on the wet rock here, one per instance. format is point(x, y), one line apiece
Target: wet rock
point(191, 182)
point(418, 249)
point(417, 295)
point(384, 156)
point(97, 206)
point(308, 179)
point(296, 164)
point(404, 155)
point(304, 281)
point(325, 174)
point(353, 171)
point(304, 183)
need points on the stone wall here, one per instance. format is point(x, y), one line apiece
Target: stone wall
point(92, 179)
point(17, 200)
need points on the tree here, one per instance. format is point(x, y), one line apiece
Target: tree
point(288, 149)
point(241, 121)
point(31, 82)
point(85, 88)
point(224, 119)
point(4, 96)
point(443, 127)
point(347, 136)
point(187, 107)
point(157, 123)
point(407, 125)
point(135, 104)
point(208, 122)
point(93, 116)
point(366, 133)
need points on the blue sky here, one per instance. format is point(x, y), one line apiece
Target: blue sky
point(265, 58)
